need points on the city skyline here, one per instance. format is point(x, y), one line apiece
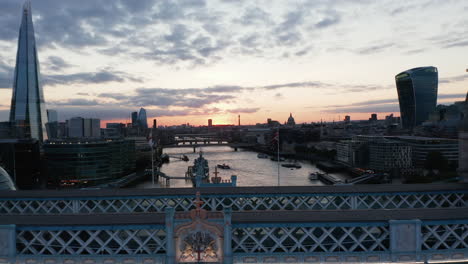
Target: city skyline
point(187, 61)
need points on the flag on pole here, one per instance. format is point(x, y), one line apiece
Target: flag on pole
point(276, 137)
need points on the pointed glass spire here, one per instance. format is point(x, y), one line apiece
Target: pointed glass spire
point(28, 113)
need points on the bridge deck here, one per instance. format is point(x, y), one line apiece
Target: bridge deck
point(347, 189)
point(257, 217)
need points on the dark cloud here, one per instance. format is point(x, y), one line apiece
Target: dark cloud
point(368, 103)
point(163, 97)
point(6, 75)
point(366, 109)
point(302, 52)
point(457, 44)
point(415, 51)
point(451, 96)
point(115, 112)
point(254, 16)
point(187, 32)
point(55, 63)
point(453, 79)
point(102, 76)
point(375, 48)
point(288, 33)
point(454, 38)
point(75, 102)
point(295, 85)
point(330, 19)
point(379, 105)
point(115, 96)
point(243, 110)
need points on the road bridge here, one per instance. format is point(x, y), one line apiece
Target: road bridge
point(195, 145)
point(408, 236)
point(361, 223)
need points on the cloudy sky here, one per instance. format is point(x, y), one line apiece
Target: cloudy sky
point(190, 60)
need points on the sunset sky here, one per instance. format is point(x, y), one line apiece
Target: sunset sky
point(189, 60)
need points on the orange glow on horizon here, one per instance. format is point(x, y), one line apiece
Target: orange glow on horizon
point(252, 119)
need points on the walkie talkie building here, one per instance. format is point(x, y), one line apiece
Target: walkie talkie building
point(28, 113)
point(417, 94)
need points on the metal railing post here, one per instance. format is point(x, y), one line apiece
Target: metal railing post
point(170, 244)
point(8, 241)
point(405, 240)
point(227, 236)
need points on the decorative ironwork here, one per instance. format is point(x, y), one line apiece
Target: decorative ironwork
point(198, 246)
point(95, 241)
point(445, 237)
point(313, 239)
point(238, 202)
point(199, 240)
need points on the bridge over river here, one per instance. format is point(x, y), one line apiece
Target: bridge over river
point(330, 224)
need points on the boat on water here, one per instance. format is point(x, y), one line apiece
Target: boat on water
point(291, 165)
point(223, 166)
point(200, 164)
point(276, 159)
point(164, 158)
point(315, 175)
point(262, 156)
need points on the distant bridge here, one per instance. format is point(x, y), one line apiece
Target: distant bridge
point(332, 224)
point(199, 144)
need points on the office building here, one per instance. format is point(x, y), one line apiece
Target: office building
point(134, 118)
point(79, 127)
point(114, 130)
point(387, 155)
point(347, 119)
point(210, 122)
point(52, 115)
point(28, 113)
point(422, 146)
point(142, 119)
point(75, 127)
point(417, 95)
point(352, 153)
point(78, 163)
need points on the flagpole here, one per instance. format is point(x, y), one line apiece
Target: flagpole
point(152, 164)
point(278, 156)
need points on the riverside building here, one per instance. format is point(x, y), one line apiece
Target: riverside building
point(78, 163)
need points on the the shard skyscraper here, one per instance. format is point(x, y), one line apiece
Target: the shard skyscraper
point(28, 113)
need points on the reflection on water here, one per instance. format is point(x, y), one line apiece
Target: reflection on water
point(250, 170)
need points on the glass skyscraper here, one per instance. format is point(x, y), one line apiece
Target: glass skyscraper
point(417, 94)
point(28, 113)
point(142, 120)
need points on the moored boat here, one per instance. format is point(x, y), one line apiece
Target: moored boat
point(314, 175)
point(223, 166)
point(292, 165)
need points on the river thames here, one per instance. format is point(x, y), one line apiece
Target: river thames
point(250, 170)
